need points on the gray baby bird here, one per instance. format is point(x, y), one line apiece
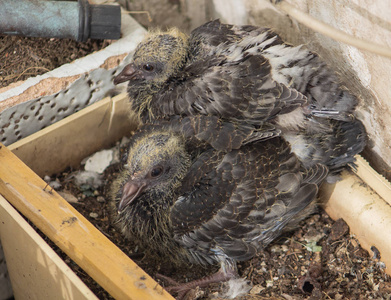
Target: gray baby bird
point(183, 199)
point(247, 75)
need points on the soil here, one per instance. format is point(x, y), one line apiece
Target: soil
point(22, 57)
point(320, 260)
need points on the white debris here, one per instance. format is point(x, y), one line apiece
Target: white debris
point(116, 158)
point(124, 142)
point(100, 199)
point(94, 215)
point(99, 161)
point(55, 184)
point(235, 288)
point(68, 197)
point(269, 283)
point(88, 177)
point(257, 289)
point(313, 236)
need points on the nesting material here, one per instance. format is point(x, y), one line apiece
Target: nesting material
point(366, 212)
point(99, 161)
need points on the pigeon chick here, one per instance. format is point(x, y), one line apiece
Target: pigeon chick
point(247, 74)
point(208, 206)
point(173, 74)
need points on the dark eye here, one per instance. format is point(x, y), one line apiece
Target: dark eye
point(156, 172)
point(148, 67)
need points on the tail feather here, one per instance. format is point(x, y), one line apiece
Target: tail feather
point(333, 143)
point(316, 174)
point(350, 140)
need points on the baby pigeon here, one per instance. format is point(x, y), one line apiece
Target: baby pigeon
point(206, 73)
point(247, 74)
point(205, 206)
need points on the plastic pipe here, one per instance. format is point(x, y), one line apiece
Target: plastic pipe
point(60, 19)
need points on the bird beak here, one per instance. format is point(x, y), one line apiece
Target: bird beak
point(128, 73)
point(130, 191)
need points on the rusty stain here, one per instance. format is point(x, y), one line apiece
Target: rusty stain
point(159, 289)
point(51, 189)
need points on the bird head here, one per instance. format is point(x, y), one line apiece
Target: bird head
point(158, 57)
point(156, 164)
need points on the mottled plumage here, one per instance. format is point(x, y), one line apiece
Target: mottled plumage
point(173, 74)
point(201, 205)
point(246, 74)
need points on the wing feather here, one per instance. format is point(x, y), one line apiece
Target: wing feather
point(242, 91)
point(240, 201)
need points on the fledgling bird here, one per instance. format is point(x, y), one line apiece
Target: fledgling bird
point(206, 206)
point(247, 74)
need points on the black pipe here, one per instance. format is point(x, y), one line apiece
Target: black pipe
point(60, 19)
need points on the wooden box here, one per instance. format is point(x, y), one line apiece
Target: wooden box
point(362, 200)
point(36, 271)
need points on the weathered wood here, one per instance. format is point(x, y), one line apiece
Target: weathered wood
point(69, 141)
point(77, 237)
point(29, 257)
point(376, 181)
point(367, 214)
point(65, 143)
point(363, 200)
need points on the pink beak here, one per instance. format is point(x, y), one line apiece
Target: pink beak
point(130, 191)
point(128, 73)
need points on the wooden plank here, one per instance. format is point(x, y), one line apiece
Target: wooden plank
point(65, 143)
point(367, 214)
point(29, 257)
point(376, 181)
point(363, 200)
point(344, 197)
point(77, 237)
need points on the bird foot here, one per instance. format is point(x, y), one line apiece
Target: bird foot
point(182, 289)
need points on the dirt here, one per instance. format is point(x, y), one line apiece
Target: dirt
point(22, 57)
point(320, 260)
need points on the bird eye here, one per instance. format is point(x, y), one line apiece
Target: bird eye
point(148, 67)
point(156, 172)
